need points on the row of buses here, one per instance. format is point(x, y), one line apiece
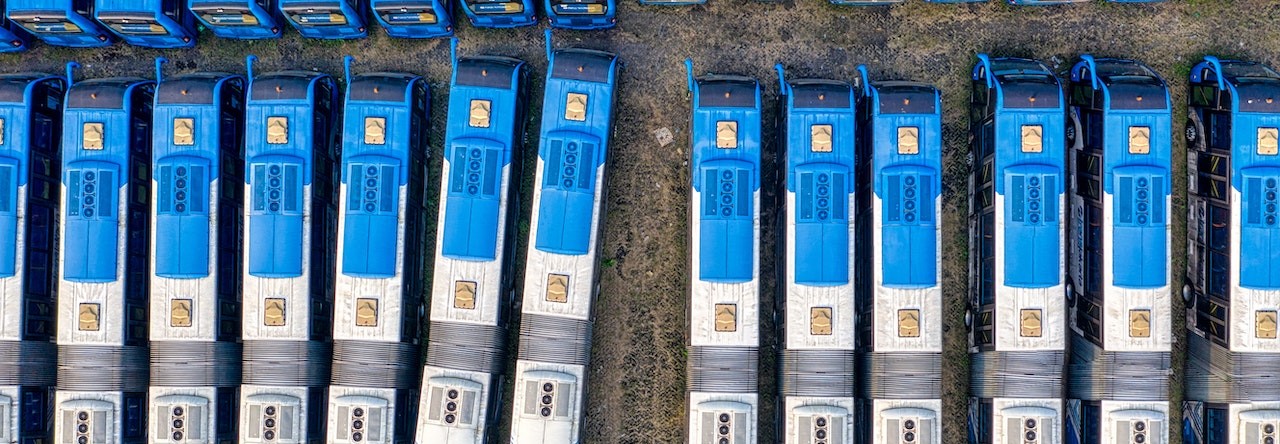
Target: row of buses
point(176, 23)
point(213, 258)
point(1083, 174)
point(862, 195)
point(1069, 309)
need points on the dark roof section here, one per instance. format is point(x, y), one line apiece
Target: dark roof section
point(582, 64)
point(1010, 65)
point(907, 98)
point(228, 5)
point(1259, 96)
point(724, 91)
point(319, 6)
point(288, 85)
point(140, 16)
point(1149, 94)
point(1107, 68)
point(13, 88)
point(194, 89)
point(100, 93)
point(807, 93)
point(380, 87)
point(1032, 91)
point(1235, 71)
point(488, 72)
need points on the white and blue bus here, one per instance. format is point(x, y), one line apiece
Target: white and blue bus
point(197, 164)
point(103, 282)
point(30, 160)
point(724, 299)
point(1016, 312)
point(561, 266)
point(1120, 309)
point(816, 363)
point(1233, 270)
point(899, 292)
point(382, 218)
point(290, 224)
point(471, 294)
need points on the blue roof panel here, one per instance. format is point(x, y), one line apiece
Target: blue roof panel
point(8, 216)
point(91, 221)
point(182, 217)
point(909, 243)
point(568, 193)
point(1141, 255)
point(276, 216)
point(822, 224)
point(371, 230)
point(1259, 235)
point(727, 221)
point(1032, 245)
point(472, 203)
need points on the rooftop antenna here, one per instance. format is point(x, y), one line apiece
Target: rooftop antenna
point(346, 68)
point(782, 79)
point(688, 69)
point(160, 61)
point(71, 73)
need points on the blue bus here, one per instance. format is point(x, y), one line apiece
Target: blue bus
point(1015, 315)
point(59, 22)
point(103, 240)
point(724, 318)
point(149, 23)
point(1118, 295)
point(327, 19)
point(198, 165)
point(238, 19)
point(1231, 282)
point(382, 223)
point(291, 160)
point(581, 14)
point(15, 35)
point(472, 290)
point(817, 142)
point(899, 298)
point(562, 263)
point(30, 160)
point(414, 18)
point(500, 13)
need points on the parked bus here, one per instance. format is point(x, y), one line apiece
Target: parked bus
point(103, 248)
point(1118, 136)
point(472, 289)
point(290, 225)
point(561, 266)
point(198, 166)
point(414, 18)
point(382, 220)
point(148, 23)
point(816, 295)
point(238, 19)
point(1232, 280)
point(724, 300)
point(30, 162)
point(59, 22)
point(899, 298)
point(327, 19)
point(1016, 314)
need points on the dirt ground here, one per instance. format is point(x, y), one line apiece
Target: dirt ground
point(637, 377)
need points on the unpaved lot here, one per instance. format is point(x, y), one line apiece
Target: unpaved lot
point(637, 374)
